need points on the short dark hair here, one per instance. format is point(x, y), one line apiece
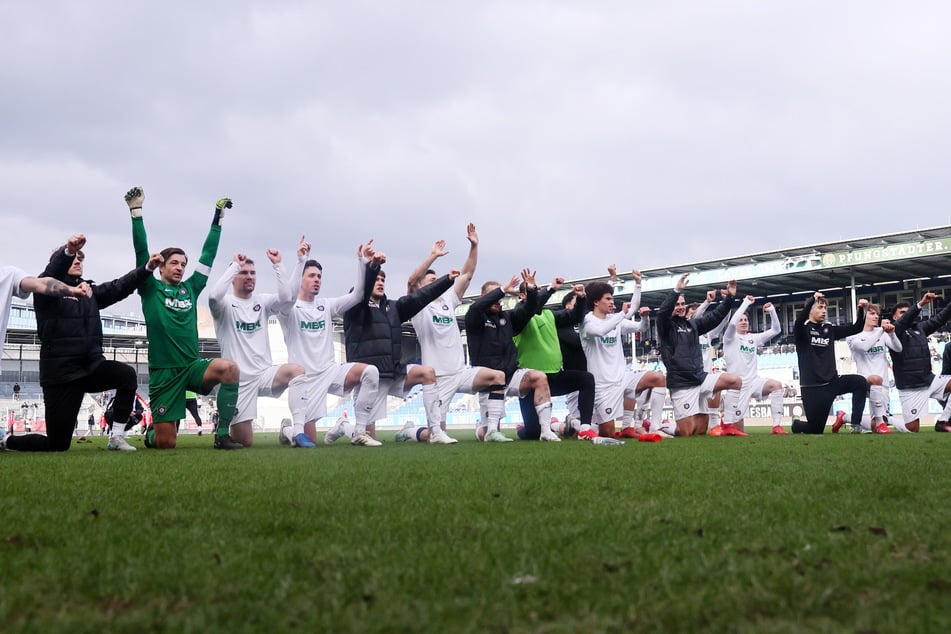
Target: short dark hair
point(170, 251)
point(898, 307)
point(313, 263)
point(693, 306)
point(570, 295)
point(248, 261)
point(381, 273)
point(595, 291)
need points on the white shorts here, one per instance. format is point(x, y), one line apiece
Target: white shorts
point(749, 389)
point(914, 402)
point(394, 386)
point(609, 399)
point(448, 385)
point(249, 389)
point(690, 401)
point(319, 385)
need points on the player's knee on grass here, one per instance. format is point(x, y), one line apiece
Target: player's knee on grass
point(166, 436)
point(243, 433)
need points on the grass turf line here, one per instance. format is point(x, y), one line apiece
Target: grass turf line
point(765, 533)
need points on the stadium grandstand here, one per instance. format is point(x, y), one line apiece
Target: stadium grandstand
point(885, 269)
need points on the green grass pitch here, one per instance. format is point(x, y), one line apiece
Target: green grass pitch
point(762, 534)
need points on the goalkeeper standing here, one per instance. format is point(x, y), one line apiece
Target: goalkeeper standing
point(170, 305)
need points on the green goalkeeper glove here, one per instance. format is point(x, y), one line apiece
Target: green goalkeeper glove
point(220, 206)
point(134, 199)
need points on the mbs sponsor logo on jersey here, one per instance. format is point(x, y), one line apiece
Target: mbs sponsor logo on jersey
point(245, 326)
point(178, 304)
point(608, 341)
point(312, 325)
point(748, 349)
point(441, 320)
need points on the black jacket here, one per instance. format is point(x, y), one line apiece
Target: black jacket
point(373, 332)
point(912, 366)
point(680, 340)
point(70, 328)
point(490, 334)
point(815, 345)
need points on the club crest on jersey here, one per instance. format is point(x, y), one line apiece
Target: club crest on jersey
point(445, 307)
point(257, 308)
point(182, 291)
point(502, 321)
point(321, 307)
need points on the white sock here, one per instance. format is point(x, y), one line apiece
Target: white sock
point(544, 416)
point(364, 398)
point(877, 400)
point(494, 410)
point(297, 391)
point(657, 399)
point(431, 404)
point(776, 407)
point(945, 415)
point(627, 418)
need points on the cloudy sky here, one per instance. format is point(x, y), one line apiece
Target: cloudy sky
point(574, 134)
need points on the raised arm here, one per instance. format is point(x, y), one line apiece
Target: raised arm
point(709, 321)
point(799, 326)
point(53, 287)
point(135, 198)
point(346, 302)
point(641, 325)
point(840, 332)
point(210, 248)
point(937, 321)
point(564, 317)
point(438, 250)
point(729, 333)
point(523, 312)
point(705, 304)
point(775, 327)
point(893, 342)
point(596, 327)
point(219, 290)
point(469, 267)
point(284, 295)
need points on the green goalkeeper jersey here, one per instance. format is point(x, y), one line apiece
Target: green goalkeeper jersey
point(171, 310)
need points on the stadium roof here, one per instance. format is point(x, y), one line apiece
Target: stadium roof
point(921, 254)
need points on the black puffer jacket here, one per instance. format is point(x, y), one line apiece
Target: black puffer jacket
point(490, 334)
point(912, 366)
point(680, 340)
point(372, 331)
point(70, 328)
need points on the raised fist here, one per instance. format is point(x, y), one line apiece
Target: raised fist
point(134, 199)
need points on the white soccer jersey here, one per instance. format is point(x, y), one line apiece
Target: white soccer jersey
point(308, 325)
point(868, 351)
point(601, 342)
point(739, 351)
point(438, 333)
point(10, 278)
point(241, 324)
point(705, 340)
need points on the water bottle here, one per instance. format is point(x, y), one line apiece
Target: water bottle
point(601, 440)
